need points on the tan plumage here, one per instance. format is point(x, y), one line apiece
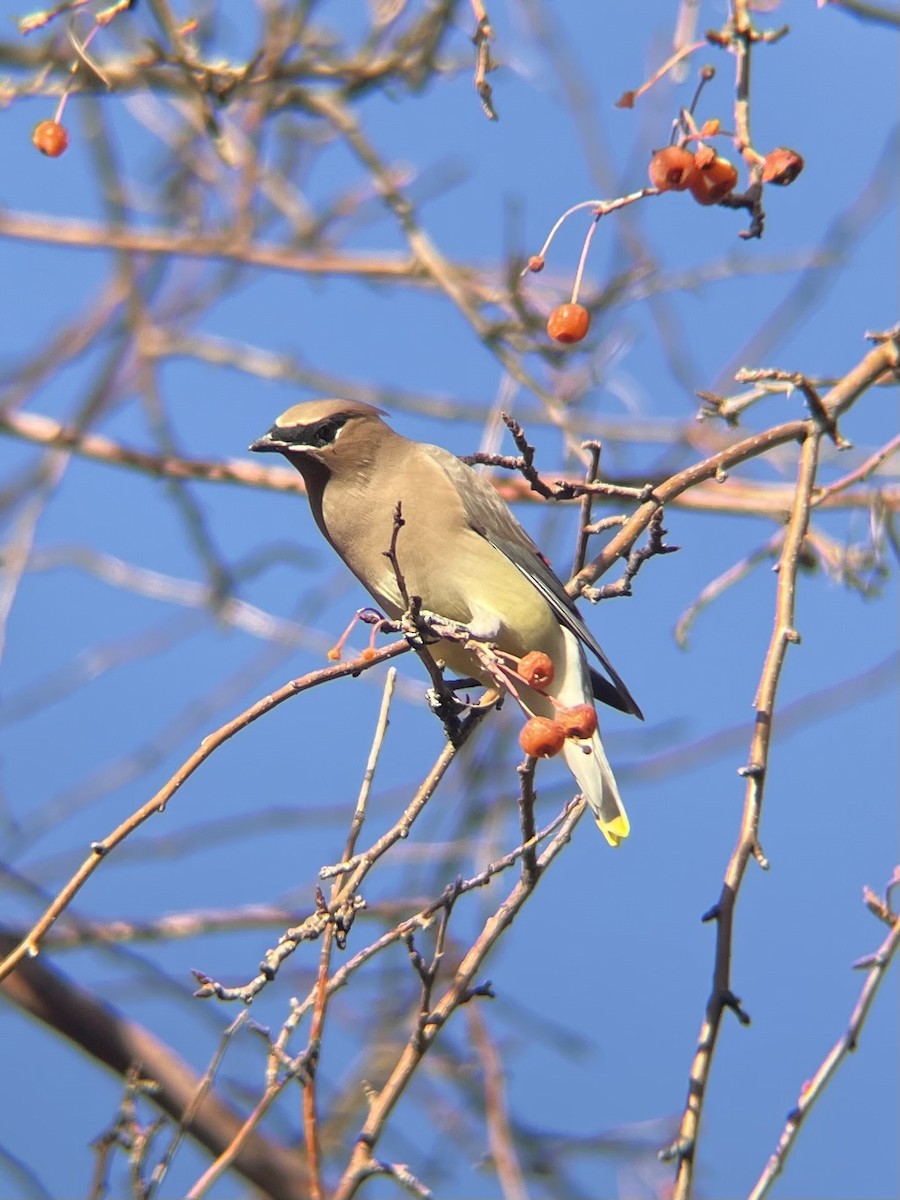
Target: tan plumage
point(461, 550)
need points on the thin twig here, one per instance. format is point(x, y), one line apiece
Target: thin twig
point(877, 965)
point(721, 997)
point(29, 945)
point(458, 992)
point(317, 1024)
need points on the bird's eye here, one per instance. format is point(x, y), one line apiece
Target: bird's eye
point(325, 432)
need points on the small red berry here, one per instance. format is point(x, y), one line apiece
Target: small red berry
point(672, 169)
point(536, 263)
point(579, 721)
point(569, 323)
point(50, 138)
point(714, 182)
point(536, 669)
point(542, 738)
point(782, 166)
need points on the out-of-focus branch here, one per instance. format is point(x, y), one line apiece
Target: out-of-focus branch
point(91, 235)
point(500, 1134)
point(120, 1044)
point(701, 492)
point(29, 945)
point(877, 13)
point(44, 431)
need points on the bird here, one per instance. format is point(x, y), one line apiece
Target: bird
point(463, 553)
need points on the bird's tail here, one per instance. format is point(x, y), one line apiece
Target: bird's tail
point(587, 759)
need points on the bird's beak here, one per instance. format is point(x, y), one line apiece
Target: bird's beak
point(266, 444)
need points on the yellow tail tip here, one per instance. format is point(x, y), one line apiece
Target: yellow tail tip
point(614, 831)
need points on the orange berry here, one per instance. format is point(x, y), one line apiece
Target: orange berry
point(569, 323)
point(535, 263)
point(672, 169)
point(542, 738)
point(714, 182)
point(782, 166)
point(578, 722)
point(536, 669)
point(334, 654)
point(50, 138)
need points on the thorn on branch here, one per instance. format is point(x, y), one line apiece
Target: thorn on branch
point(732, 1002)
point(757, 852)
point(714, 405)
point(421, 968)
point(886, 335)
point(404, 1176)
point(207, 986)
point(482, 989)
point(752, 771)
point(681, 1150)
point(869, 962)
point(635, 560)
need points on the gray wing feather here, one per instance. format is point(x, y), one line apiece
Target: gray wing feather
point(488, 515)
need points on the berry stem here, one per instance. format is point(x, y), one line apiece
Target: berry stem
point(568, 213)
point(706, 74)
point(589, 237)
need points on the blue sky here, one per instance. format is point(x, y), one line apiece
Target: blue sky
point(611, 948)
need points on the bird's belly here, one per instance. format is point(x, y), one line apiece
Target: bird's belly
point(476, 586)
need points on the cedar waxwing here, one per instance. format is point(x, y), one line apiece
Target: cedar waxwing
point(462, 551)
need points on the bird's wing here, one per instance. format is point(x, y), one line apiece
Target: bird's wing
point(489, 516)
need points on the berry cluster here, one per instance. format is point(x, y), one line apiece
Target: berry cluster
point(542, 737)
point(688, 164)
point(710, 178)
point(705, 175)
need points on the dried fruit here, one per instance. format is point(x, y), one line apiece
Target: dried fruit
point(542, 738)
point(714, 182)
point(536, 668)
point(782, 166)
point(50, 138)
point(704, 158)
point(672, 169)
point(569, 323)
point(580, 721)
